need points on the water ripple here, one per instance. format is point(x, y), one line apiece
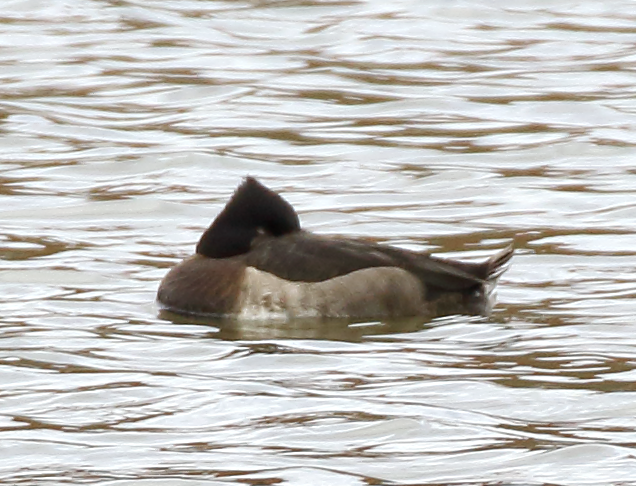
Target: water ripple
point(450, 127)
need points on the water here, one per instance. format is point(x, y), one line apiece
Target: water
point(448, 126)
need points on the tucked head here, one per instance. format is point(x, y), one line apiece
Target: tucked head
point(253, 209)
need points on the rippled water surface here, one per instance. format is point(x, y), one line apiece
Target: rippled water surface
point(451, 126)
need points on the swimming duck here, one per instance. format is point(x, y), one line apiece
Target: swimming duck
point(255, 261)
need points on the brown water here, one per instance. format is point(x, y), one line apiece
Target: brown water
point(452, 126)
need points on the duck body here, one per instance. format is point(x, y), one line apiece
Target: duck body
point(255, 261)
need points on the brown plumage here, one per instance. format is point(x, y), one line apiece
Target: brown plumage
point(255, 261)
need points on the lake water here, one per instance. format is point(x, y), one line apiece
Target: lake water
point(449, 126)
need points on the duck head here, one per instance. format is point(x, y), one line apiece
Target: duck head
point(253, 210)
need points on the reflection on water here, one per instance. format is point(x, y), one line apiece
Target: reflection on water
point(453, 127)
point(338, 329)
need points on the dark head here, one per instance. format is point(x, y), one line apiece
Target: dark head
point(253, 209)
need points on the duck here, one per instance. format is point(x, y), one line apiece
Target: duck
point(255, 261)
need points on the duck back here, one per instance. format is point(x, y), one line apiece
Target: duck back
point(306, 257)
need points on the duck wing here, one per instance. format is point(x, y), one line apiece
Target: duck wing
point(306, 257)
